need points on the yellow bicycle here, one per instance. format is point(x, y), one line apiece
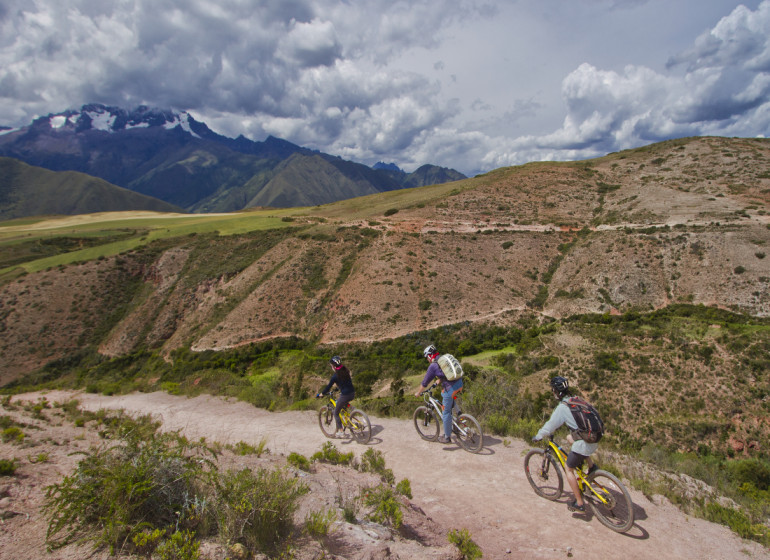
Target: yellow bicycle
point(352, 418)
point(602, 491)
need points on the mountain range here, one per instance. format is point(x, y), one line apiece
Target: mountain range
point(170, 156)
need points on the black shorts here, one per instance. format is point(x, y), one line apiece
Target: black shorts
point(575, 460)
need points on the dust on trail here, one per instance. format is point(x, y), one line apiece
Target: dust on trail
point(487, 494)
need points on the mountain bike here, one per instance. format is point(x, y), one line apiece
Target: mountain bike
point(352, 418)
point(427, 422)
point(602, 491)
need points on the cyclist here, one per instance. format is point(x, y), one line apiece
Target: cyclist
point(580, 452)
point(448, 393)
point(342, 378)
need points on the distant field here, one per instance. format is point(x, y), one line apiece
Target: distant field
point(135, 229)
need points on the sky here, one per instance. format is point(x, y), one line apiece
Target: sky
point(473, 85)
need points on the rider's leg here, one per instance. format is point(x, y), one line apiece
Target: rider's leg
point(574, 460)
point(446, 414)
point(588, 461)
point(447, 399)
point(342, 402)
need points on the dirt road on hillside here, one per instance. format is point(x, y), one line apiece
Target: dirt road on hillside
point(487, 494)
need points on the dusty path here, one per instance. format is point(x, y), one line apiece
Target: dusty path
point(487, 494)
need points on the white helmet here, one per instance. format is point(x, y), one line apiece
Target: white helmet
point(429, 351)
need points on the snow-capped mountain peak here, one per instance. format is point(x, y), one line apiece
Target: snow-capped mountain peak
point(112, 119)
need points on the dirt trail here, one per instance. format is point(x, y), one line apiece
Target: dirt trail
point(487, 493)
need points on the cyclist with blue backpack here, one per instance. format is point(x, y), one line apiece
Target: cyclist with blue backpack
point(581, 450)
point(450, 389)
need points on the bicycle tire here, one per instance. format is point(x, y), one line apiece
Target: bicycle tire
point(360, 426)
point(427, 423)
point(469, 435)
point(544, 474)
point(326, 421)
point(618, 515)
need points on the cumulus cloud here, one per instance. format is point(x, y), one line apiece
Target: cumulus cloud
point(724, 89)
point(325, 74)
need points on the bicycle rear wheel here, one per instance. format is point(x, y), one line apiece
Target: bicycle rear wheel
point(469, 433)
point(618, 511)
point(326, 421)
point(544, 474)
point(426, 423)
point(360, 426)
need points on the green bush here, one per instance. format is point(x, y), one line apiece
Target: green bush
point(464, 543)
point(387, 508)
point(299, 461)
point(330, 454)
point(117, 492)
point(317, 522)
point(180, 546)
point(243, 448)
point(404, 487)
point(7, 467)
point(14, 434)
point(256, 508)
point(373, 461)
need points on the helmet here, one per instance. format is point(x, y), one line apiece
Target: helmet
point(336, 361)
point(429, 351)
point(560, 385)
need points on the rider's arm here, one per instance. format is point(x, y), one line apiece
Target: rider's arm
point(328, 386)
point(558, 417)
point(429, 375)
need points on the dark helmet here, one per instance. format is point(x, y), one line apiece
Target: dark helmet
point(560, 385)
point(429, 351)
point(336, 361)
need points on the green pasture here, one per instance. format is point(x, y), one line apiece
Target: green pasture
point(146, 230)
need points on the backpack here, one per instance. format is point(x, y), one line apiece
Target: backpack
point(450, 367)
point(590, 426)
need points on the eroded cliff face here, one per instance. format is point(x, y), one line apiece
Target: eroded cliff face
point(685, 222)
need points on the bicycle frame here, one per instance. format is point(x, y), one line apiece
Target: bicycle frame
point(583, 482)
point(434, 403)
point(344, 413)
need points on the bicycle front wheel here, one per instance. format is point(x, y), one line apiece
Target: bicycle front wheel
point(610, 501)
point(469, 433)
point(360, 426)
point(326, 421)
point(544, 474)
point(426, 423)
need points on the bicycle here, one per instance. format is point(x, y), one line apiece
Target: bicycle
point(427, 422)
point(602, 491)
point(353, 418)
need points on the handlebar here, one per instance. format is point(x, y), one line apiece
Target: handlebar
point(429, 389)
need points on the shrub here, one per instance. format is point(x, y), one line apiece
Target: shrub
point(149, 481)
point(243, 448)
point(464, 543)
point(317, 522)
point(387, 508)
point(256, 508)
point(373, 461)
point(7, 467)
point(299, 461)
point(146, 542)
point(330, 454)
point(390, 211)
point(180, 546)
point(404, 487)
point(14, 434)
